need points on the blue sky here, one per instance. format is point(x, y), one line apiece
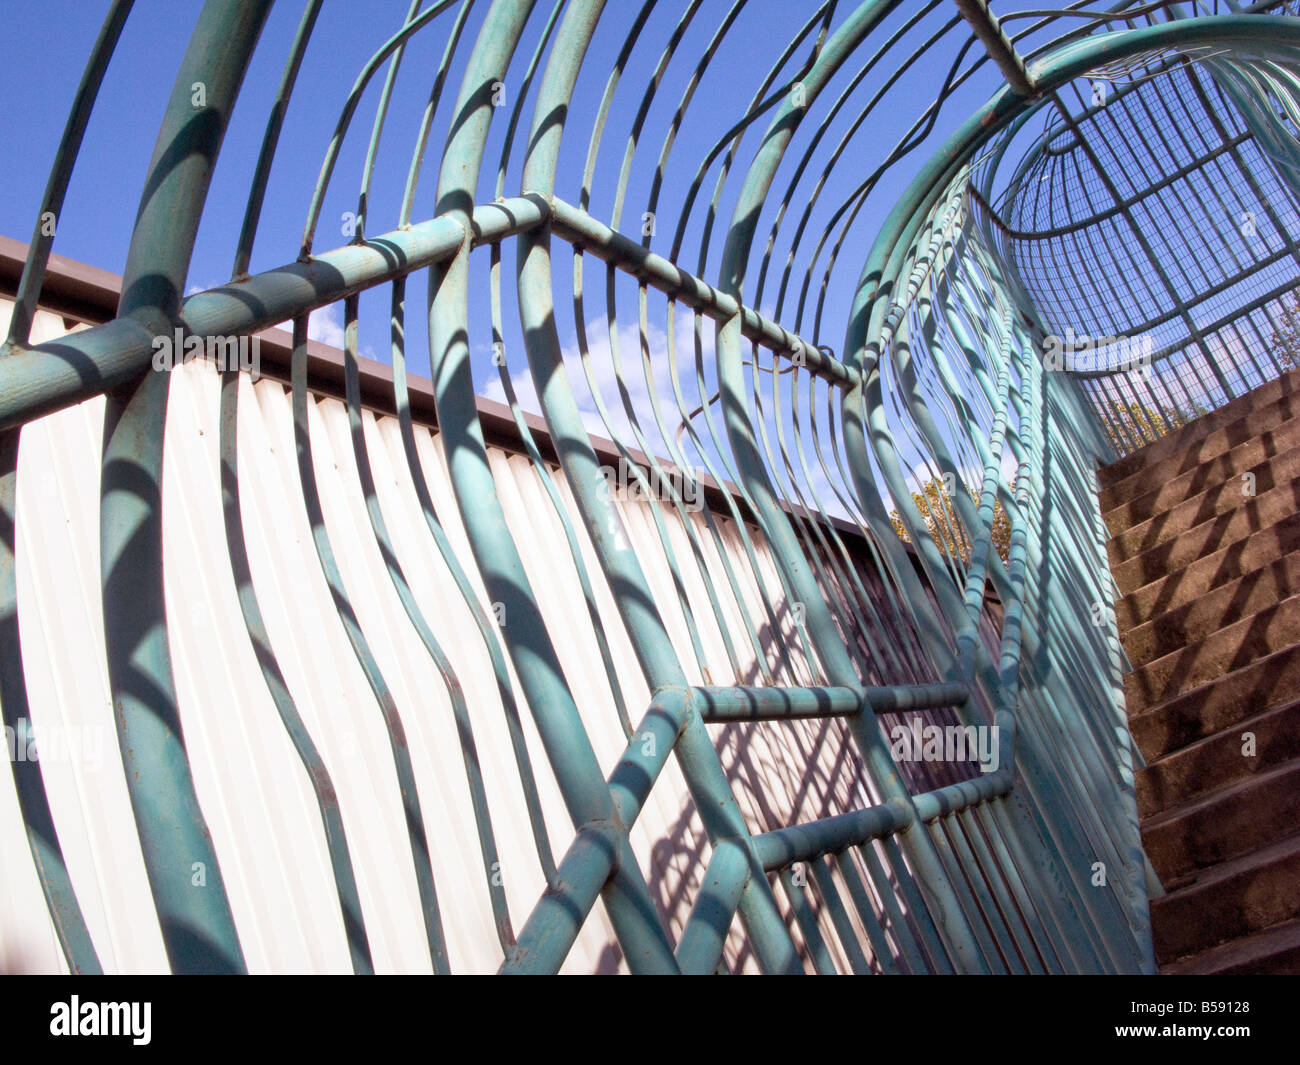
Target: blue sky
point(47, 42)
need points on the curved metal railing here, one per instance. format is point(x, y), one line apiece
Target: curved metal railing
point(923, 482)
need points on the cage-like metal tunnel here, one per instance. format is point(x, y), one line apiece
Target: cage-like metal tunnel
point(633, 503)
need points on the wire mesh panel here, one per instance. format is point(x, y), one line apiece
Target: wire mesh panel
point(1153, 225)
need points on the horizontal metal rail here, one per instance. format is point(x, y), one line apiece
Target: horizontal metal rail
point(784, 703)
point(43, 378)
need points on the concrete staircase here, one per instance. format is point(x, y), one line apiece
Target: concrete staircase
point(1208, 564)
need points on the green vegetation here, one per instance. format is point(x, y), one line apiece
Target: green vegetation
point(936, 507)
point(1286, 338)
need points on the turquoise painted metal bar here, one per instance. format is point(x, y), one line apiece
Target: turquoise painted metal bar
point(654, 650)
point(278, 688)
point(700, 946)
point(783, 847)
point(394, 727)
point(528, 642)
point(184, 874)
point(782, 703)
point(42, 834)
point(48, 377)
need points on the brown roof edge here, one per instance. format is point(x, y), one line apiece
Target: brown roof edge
point(71, 289)
point(88, 294)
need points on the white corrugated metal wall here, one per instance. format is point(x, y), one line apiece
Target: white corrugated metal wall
point(250, 782)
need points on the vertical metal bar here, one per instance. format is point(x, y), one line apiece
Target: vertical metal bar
point(65, 158)
point(567, 744)
point(270, 140)
point(318, 775)
point(42, 835)
point(455, 692)
point(416, 833)
point(29, 783)
point(807, 921)
point(834, 905)
point(193, 909)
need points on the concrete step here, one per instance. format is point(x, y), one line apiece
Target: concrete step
point(1273, 952)
point(1133, 569)
point(1218, 499)
point(1187, 437)
point(1216, 609)
point(1257, 420)
point(1260, 634)
point(1219, 760)
point(1201, 577)
point(1251, 893)
point(1265, 684)
point(1208, 565)
point(1237, 819)
point(1160, 494)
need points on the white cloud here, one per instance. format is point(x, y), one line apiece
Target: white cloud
point(326, 325)
point(627, 340)
point(627, 337)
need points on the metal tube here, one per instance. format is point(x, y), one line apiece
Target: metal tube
point(782, 847)
point(184, 874)
point(705, 934)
